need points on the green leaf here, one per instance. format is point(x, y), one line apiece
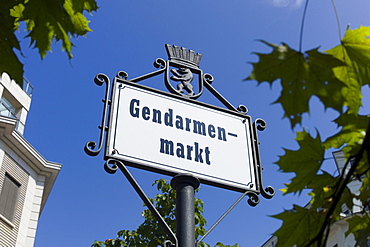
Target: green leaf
point(352, 131)
point(354, 51)
point(359, 225)
point(9, 42)
point(149, 233)
point(219, 244)
point(57, 20)
point(302, 75)
point(289, 66)
point(365, 190)
point(322, 189)
point(300, 226)
point(17, 13)
point(325, 85)
point(82, 5)
point(97, 244)
point(322, 194)
point(78, 19)
point(47, 21)
point(336, 78)
point(304, 162)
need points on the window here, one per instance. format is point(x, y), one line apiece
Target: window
point(6, 109)
point(8, 197)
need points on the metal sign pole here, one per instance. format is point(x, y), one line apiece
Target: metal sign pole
point(185, 186)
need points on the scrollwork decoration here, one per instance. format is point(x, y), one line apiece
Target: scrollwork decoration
point(242, 109)
point(159, 63)
point(110, 166)
point(260, 124)
point(182, 67)
point(208, 78)
point(268, 192)
point(253, 199)
point(100, 79)
point(168, 243)
point(122, 75)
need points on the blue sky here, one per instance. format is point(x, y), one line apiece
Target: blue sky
point(86, 203)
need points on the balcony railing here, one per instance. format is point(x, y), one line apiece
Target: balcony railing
point(27, 87)
point(7, 112)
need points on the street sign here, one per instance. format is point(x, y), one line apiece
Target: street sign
point(173, 133)
point(158, 131)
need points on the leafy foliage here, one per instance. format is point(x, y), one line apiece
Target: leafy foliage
point(46, 21)
point(302, 75)
point(354, 51)
point(308, 157)
point(336, 77)
point(297, 220)
point(149, 233)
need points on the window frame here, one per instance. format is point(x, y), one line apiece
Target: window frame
point(9, 197)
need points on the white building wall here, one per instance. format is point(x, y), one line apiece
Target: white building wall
point(24, 164)
point(35, 210)
point(19, 99)
point(32, 203)
point(26, 215)
point(10, 227)
point(25, 228)
point(31, 211)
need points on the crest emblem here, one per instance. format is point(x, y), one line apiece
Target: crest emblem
point(182, 72)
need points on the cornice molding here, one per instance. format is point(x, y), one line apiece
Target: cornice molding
point(21, 147)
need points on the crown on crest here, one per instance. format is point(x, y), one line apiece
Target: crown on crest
point(183, 56)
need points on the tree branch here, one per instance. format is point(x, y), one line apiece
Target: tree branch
point(342, 185)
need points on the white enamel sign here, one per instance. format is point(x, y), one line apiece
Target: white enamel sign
point(169, 135)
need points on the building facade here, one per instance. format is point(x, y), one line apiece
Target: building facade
point(26, 178)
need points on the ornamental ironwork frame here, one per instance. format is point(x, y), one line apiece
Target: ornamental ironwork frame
point(181, 68)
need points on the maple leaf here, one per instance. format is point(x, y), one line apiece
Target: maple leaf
point(304, 162)
point(354, 51)
point(323, 191)
point(325, 85)
point(352, 130)
point(336, 78)
point(54, 19)
point(302, 75)
point(47, 21)
point(300, 226)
